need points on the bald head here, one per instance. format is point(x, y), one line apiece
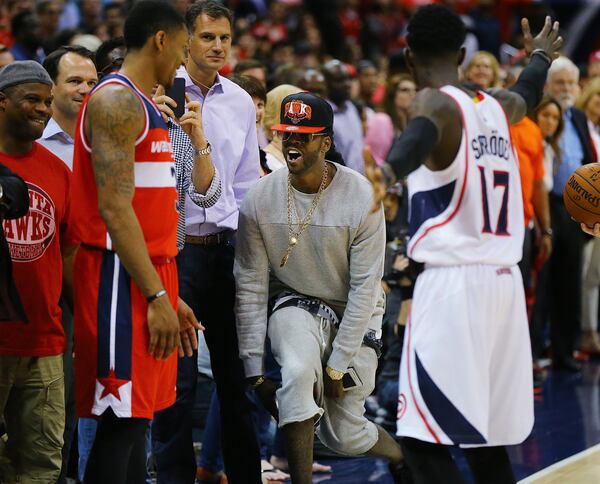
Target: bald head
point(337, 80)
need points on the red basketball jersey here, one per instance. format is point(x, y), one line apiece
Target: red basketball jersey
point(155, 197)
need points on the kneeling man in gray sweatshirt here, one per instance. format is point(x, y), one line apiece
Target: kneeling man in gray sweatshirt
point(308, 268)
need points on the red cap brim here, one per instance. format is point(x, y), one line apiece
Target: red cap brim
point(293, 128)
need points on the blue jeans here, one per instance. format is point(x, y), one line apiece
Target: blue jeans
point(86, 432)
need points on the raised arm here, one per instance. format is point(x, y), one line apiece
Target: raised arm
point(527, 92)
point(114, 120)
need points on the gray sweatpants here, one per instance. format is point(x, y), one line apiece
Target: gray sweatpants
point(301, 344)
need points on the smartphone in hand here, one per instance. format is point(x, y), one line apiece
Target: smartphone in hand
point(177, 93)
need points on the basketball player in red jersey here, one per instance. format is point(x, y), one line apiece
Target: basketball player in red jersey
point(126, 326)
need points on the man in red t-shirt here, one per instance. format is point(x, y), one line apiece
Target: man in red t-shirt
point(31, 371)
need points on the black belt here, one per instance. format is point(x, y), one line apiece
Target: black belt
point(315, 307)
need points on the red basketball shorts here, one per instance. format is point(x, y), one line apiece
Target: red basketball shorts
point(112, 365)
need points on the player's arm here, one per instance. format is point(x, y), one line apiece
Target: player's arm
point(527, 92)
point(432, 136)
point(114, 120)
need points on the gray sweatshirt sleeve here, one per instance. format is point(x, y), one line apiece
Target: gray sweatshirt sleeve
point(366, 270)
point(251, 271)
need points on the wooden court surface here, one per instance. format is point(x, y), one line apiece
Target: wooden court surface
point(582, 468)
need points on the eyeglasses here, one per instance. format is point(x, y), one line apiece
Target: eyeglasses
point(300, 137)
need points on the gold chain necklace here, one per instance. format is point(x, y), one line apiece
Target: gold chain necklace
point(196, 81)
point(302, 224)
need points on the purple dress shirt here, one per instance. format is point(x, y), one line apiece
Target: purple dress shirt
point(229, 120)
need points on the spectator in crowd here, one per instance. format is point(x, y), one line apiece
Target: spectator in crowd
point(528, 142)
point(128, 233)
point(313, 81)
point(91, 15)
point(399, 93)
point(594, 65)
point(274, 159)
point(483, 69)
point(14, 204)
point(254, 68)
point(257, 70)
point(368, 80)
point(258, 94)
point(6, 56)
point(347, 125)
point(564, 278)
point(589, 103)
point(110, 55)
point(73, 73)
point(206, 261)
point(548, 115)
point(313, 348)
point(31, 349)
point(379, 136)
point(48, 13)
point(25, 27)
point(114, 19)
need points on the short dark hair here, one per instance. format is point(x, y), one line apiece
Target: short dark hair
point(102, 60)
point(211, 8)
point(435, 30)
point(51, 62)
point(247, 64)
point(251, 85)
point(148, 17)
point(114, 6)
point(19, 21)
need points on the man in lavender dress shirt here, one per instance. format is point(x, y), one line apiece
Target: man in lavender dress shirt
point(205, 264)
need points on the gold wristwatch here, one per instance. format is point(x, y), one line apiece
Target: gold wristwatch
point(334, 374)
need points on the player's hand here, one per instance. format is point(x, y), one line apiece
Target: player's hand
point(548, 39)
point(333, 388)
point(188, 326)
point(164, 103)
point(266, 394)
point(375, 176)
point(544, 249)
point(595, 231)
point(163, 326)
point(191, 123)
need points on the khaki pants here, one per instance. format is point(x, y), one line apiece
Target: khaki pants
point(33, 406)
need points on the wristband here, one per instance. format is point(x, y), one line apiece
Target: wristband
point(154, 297)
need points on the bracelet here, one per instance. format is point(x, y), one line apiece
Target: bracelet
point(542, 53)
point(547, 232)
point(204, 151)
point(154, 297)
point(335, 375)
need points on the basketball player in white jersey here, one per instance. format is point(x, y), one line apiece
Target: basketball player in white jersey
point(465, 376)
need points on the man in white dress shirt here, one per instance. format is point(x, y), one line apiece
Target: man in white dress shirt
point(74, 74)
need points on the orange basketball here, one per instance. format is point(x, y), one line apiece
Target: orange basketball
point(582, 194)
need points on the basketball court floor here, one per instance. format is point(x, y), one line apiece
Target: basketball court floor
point(564, 446)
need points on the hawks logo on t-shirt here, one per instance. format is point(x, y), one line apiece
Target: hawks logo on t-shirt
point(28, 237)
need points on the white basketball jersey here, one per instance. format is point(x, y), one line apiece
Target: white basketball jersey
point(472, 211)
